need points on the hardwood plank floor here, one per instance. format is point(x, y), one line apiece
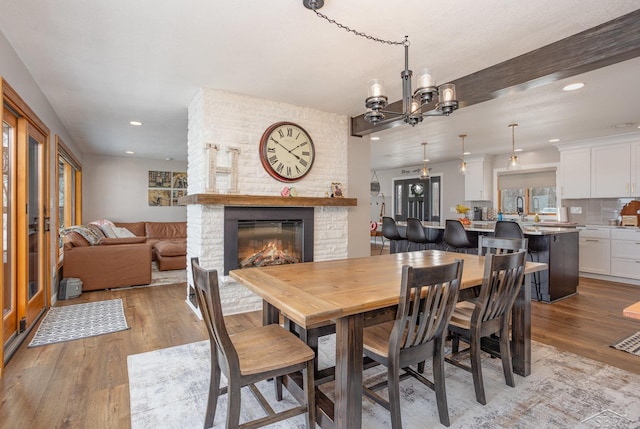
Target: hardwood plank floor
point(84, 383)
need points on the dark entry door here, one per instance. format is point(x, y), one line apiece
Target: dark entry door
point(417, 198)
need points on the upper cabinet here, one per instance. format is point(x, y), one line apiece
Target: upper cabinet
point(601, 170)
point(478, 180)
point(575, 165)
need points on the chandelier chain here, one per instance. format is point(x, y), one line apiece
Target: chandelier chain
point(405, 42)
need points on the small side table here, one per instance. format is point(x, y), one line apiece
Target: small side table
point(632, 311)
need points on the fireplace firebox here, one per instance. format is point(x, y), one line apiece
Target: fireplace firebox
point(262, 236)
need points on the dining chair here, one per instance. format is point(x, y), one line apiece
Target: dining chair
point(417, 236)
point(496, 245)
point(488, 315)
point(390, 232)
point(427, 299)
point(455, 237)
point(507, 229)
point(248, 357)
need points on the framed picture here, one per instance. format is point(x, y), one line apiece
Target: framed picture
point(179, 180)
point(159, 179)
point(336, 189)
point(175, 194)
point(159, 197)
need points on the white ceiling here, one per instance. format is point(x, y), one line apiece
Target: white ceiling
point(103, 64)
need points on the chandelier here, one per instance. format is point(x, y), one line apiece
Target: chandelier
point(412, 101)
point(514, 162)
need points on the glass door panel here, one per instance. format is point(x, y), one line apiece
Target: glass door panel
point(9, 311)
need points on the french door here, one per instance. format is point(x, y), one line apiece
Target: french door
point(417, 198)
point(24, 218)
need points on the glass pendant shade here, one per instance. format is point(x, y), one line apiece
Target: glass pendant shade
point(424, 174)
point(514, 162)
point(462, 168)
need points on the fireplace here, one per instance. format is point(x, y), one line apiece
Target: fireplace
point(261, 236)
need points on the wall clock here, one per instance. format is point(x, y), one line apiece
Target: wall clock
point(286, 151)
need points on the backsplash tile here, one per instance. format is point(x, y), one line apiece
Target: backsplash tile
point(595, 211)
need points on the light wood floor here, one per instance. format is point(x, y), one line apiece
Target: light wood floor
point(84, 383)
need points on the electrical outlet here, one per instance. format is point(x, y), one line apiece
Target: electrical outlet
point(576, 210)
point(452, 209)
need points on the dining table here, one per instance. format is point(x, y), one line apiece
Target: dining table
point(357, 292)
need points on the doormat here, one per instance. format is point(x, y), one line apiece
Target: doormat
point(72, 322)
point(631, 344)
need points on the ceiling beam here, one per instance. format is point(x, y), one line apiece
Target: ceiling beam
point(606, 44)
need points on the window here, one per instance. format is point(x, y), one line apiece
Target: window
point(536, 187)
point(69, 190)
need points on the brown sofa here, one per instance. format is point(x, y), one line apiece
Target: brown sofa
point(119, 262)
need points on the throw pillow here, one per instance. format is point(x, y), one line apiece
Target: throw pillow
point(96, 230)
point(108, 231)
point(85, 232)
point(123, 232)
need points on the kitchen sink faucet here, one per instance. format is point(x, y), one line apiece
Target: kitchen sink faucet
point(520, 207)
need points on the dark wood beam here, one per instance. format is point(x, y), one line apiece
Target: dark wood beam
point(609, 43)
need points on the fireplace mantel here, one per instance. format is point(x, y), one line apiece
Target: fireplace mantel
point(265, 201)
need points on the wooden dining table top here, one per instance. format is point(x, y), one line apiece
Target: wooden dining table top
point(313, 293)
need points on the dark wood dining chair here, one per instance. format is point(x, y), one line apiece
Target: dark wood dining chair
point(496, 245)
point(427, 299)
point(248, 357)
point(489, 315)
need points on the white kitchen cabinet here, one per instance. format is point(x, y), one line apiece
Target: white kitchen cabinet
point(625, 252)
point(575, 173)
point(594, 250)
point(478, 180)
point(611, 171)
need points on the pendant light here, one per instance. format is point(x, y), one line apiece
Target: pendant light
point(425, 171)
point(514, 162)
point(462, 169)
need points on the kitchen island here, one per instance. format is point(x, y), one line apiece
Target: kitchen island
point(556, 246)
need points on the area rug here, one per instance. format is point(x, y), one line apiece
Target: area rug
point(631, 344)
point(72, 322)
point(168, 389)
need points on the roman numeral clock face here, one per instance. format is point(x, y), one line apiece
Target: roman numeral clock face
point(286, 151)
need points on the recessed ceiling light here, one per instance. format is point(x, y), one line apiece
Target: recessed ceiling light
point(135, 123)
point(130, 152)
point(517, 150)
point(375, 138)
point(573, 86)
point(169, 159)
point(623, 125)
point(554, 140)
point(467, 153)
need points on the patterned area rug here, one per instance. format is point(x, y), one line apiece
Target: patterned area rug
point(168, 389)
point(160, 278)
point(72, 322)
point(631, 344)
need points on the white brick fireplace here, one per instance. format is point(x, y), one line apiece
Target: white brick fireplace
point(235, 121)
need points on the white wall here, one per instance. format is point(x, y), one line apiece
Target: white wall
point(452, 182)
point(115, 188)
point(359, 179)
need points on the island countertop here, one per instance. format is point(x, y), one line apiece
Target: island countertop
point(489, 227)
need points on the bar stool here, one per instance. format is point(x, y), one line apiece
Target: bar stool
point(417, 235)
point(509, 229)
point(455, 237)
point(390, 232)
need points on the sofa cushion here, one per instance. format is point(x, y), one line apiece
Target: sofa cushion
point(168, 230)
point(171, 248)
point(137, 228)
point(128, 240)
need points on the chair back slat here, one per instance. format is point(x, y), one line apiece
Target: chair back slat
point(208, 294)
point(503, 276)
point(427, 299)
